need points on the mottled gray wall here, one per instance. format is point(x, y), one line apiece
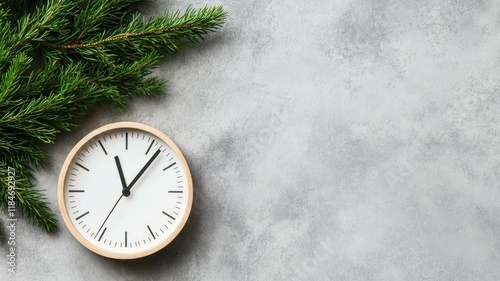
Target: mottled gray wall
point(328, 140)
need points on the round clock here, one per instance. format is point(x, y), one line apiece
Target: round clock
point(125, 191)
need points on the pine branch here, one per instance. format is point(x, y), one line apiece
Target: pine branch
point(166, 34)
point(59, 58)
point(192, 25)
point(33, 203)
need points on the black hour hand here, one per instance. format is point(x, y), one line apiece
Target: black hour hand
point(120, 171)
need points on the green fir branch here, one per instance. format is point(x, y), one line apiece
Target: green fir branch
point(60, 58)
point(34, 205)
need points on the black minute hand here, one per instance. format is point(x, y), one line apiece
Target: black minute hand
point(126, 191)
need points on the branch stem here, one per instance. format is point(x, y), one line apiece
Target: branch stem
point(116, 38)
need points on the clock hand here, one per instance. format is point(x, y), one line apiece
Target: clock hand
point(124, 185)
point(126, 191)
point(120, 171)
point(108, 215)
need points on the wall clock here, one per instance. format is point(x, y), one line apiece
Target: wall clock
point(125, 190)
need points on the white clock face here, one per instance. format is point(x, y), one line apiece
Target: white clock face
point(125, 191)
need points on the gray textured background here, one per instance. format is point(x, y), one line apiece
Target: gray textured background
point(328, 140)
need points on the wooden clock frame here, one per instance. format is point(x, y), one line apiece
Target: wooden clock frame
point(64, 172)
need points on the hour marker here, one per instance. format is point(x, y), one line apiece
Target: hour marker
point(152, 234)
point(103, 149)
point(76, 190)
point(82, 216)
point(169, 166)
point(126, 141)
point(81, 166)
point(102, 233)
point(168, 215)
point(125, 239)
point(175, 191)
point(150, 147)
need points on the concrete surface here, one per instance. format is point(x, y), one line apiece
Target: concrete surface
point(328, 140)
